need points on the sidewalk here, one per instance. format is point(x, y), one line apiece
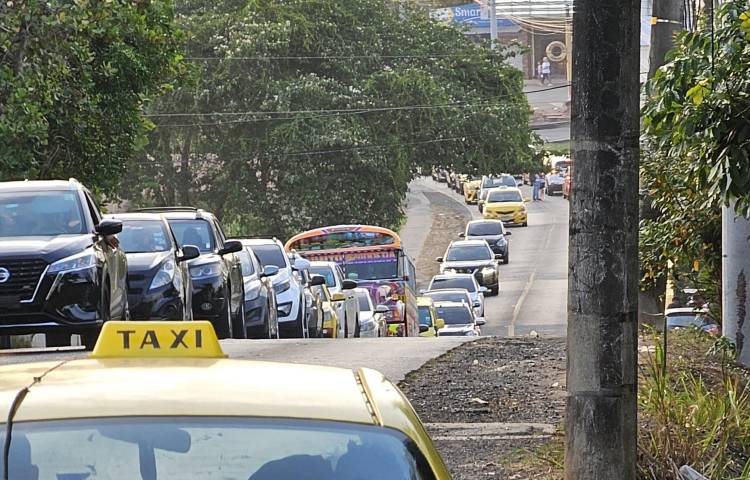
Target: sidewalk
point(549, 102)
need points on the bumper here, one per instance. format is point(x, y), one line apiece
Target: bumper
point(288, 305)
point(553, 188)
point(163, 304)
point(209, 299)
point(517, 218)
point(256, 311)
point(69, 302)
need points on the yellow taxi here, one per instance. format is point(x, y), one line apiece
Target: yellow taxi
point(160, 401)
point(471, 190)
point(429, 323)
point(330, 324)
point(506, 204)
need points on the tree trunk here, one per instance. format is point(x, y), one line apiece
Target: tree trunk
point(735, 263)
point(603, 265)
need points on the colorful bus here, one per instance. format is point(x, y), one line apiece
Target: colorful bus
point(375, 259)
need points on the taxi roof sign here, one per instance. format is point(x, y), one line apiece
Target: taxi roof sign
point(158, 340)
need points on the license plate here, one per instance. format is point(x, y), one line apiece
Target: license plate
point(506, 217)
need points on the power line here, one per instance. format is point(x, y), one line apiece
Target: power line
point(343, 57)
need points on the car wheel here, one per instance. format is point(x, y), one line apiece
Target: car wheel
point(57, 339)
point(223, 324)
point(88, 339)
point(239, 329)
point(506, 259)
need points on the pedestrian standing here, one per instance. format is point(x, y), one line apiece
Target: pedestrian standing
point(542, 183)
point(539, 72)
point(535, 187)
point(546, 71)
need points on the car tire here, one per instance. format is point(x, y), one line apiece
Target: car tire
point(506, 259)
point(525, 224)
point(239, 328)
point(56, 339)
point(223, 324)
point(298, 331)
point(88, 339)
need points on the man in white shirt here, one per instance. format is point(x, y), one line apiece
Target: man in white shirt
point(546, 71)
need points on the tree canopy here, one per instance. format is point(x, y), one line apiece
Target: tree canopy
point(308, 112)
point(74, 78)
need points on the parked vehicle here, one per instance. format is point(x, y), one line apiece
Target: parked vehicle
point(471, 189)
point(291, 303)
point(555, 182)
point(218, 288)
point(458, 319)
point(491, 231)
point(429, 323)
point(61, 270)
point(463, 281)
point(159, 282)
point(348, 310)
point(507, 205)
point(489, 182)
point(474, 257)
point(261, 314)
point(686, 317)
point(371, 318)
point(374, 258)
point(331, 323)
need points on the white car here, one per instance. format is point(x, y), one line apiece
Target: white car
point(290, 294)
point(348, 310)
point(371, 318)
point(458, 318)
point(464, 281)
point(457, 295)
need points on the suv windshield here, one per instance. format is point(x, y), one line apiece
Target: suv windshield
point(445, 283)
point(144, 236)
point(425, 316)
point(193, 232)
point(468, 253)
point(484, 228)
point(455, 315)
point(270, 254)
point(37, 214)
point(199, 448)
point(507, 196)
point(325, 272)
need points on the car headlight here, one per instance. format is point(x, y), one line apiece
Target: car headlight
point(470, 333)
point(501, 241)
point(164, 276)
point(282, 287)
point(488, 271)
point(207, 270)
point(367, 326)
point(79, 261)
point(449, 270)
point(252, 293)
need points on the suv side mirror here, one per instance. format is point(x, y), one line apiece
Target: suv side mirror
point(382, 309)
point(269, 271)
point(439, 323)
point(508, 233)
point(300, 264)
point(316, 280)
point(423, 328)
point(349, 284)
point(108, 227)
point(231, 246)
point(498, 257)
point(439, 259)
point(483, 289)
point(189, 252)
point(481, 321)
point(461, 235)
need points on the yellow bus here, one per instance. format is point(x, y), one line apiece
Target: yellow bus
point(375, 259)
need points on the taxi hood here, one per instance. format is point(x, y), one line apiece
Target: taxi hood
point(50, 248)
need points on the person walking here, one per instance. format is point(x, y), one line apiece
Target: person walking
point(540, 187)
point(546, 71)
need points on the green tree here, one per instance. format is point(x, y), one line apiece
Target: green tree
point(312, 112)
point(74, 78)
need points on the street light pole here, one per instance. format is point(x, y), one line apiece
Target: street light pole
point(493, 24)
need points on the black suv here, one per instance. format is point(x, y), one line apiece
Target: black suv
point(61, 270)
point(218, 287)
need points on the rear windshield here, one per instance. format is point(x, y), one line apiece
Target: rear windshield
point(209, 448)
point(469, 253)
point(464, 282)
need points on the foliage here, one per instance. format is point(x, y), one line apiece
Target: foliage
point(696, 143)
point(74, 77)
point(692, 414)
point(328, 109)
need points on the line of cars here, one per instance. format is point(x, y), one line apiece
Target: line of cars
point(65, 269)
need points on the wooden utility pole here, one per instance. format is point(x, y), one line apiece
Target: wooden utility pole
point(603, 265)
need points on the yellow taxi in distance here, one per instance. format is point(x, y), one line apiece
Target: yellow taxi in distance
point(429, 323)
point(506, 204)
point(471, 190)
point(160, 401)
point(330, 327)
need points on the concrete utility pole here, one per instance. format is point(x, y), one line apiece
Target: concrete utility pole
point(735, 279)
point(667, 19)
point(603, 264)
point(493, 24)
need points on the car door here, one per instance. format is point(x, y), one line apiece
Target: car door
point(183, 270)
point(234, 268)
point(351, 305)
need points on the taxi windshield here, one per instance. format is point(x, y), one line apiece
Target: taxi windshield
point(507, 196)
point(166, 448)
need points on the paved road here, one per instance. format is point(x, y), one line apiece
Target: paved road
point(394, 357)
point(533, 292)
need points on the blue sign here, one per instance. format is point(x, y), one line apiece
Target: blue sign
point(471, 15)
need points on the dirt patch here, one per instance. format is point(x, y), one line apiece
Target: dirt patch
point(491, 380)
point(449, 219)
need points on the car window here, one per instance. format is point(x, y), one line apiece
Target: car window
point(270, 254)
point(509, 181)
point(484, 228)
point(199, 448)
point(40, 213)
point(246, 263)
point(193, 232)
point(364, 302)
point(464, 282)
point(458, 315)
point(504, 196)
point(144, 236)
point(467, 253)
point(425, 316)
point(93, 210)
point(685, 320)
point(325, 272)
